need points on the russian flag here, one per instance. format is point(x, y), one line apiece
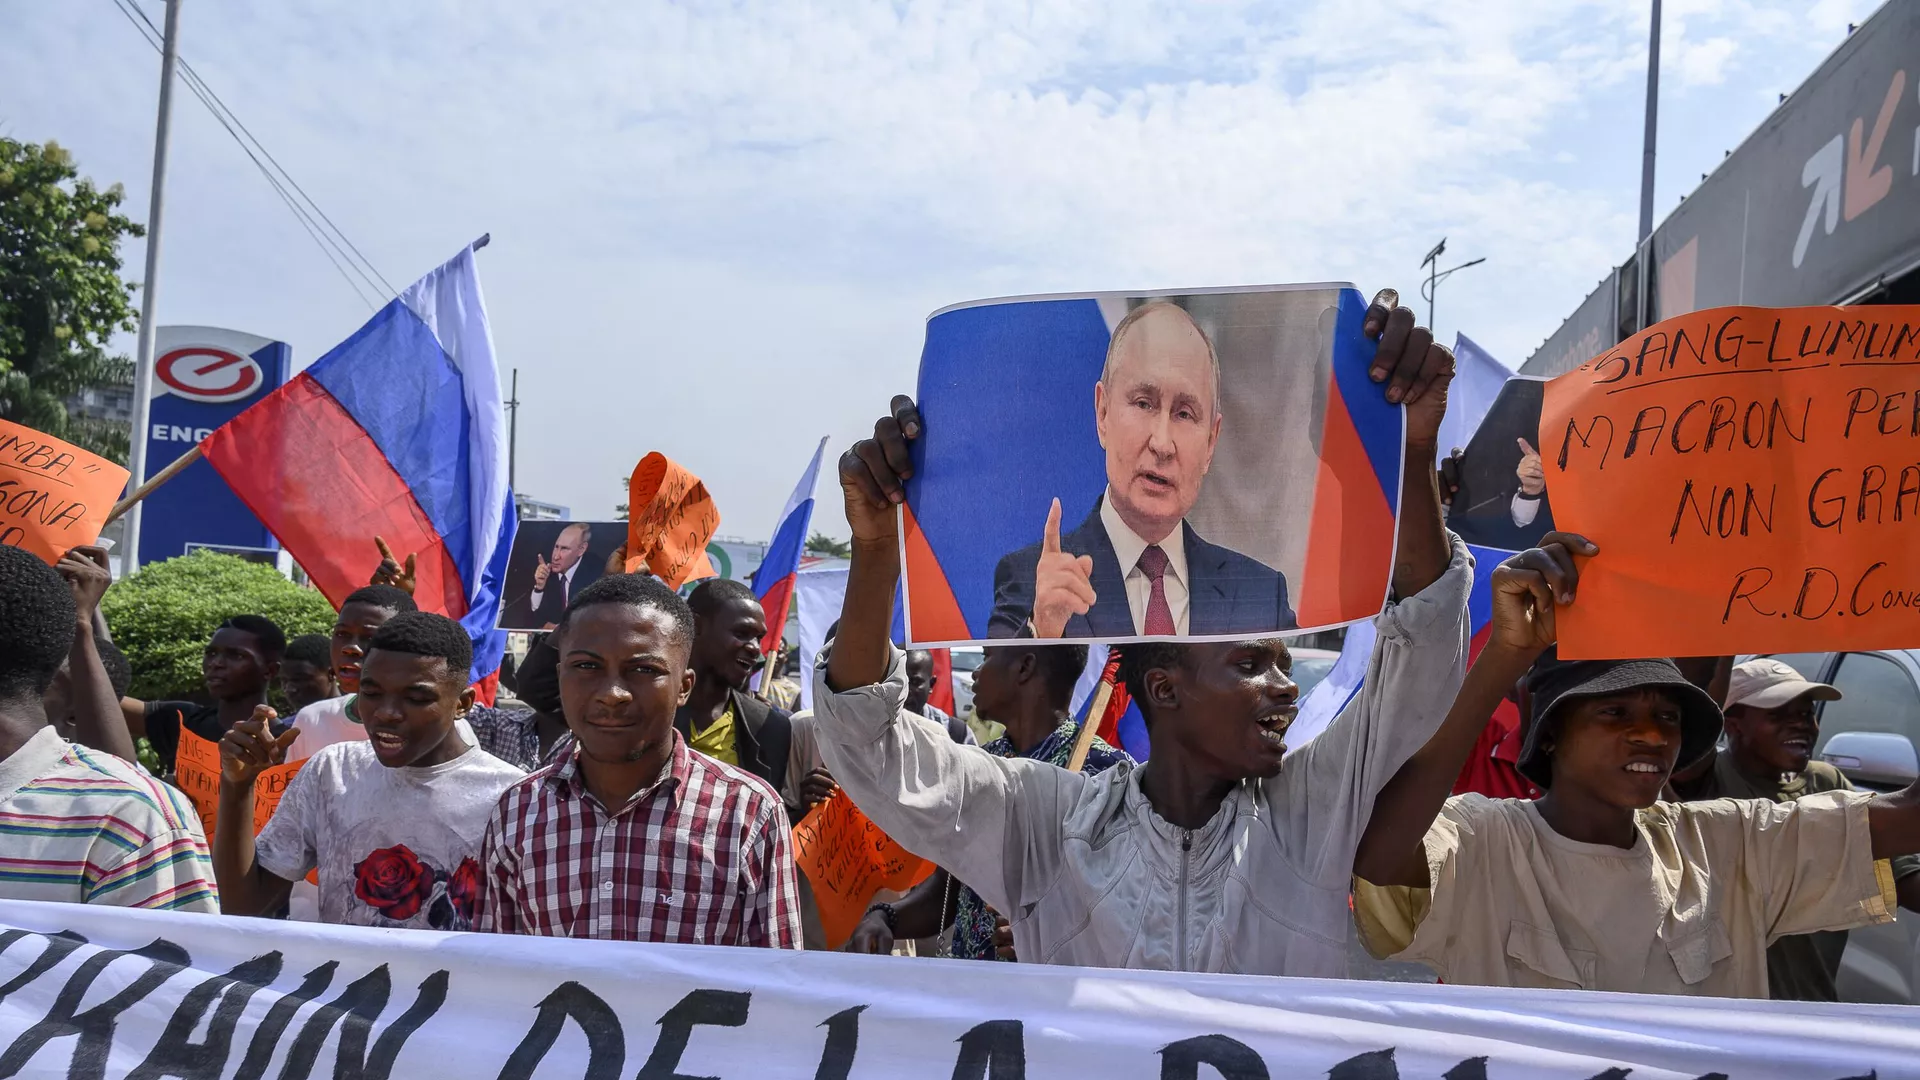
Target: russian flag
point(399, 432)
point(773, 579)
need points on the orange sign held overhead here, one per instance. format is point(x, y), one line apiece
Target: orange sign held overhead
point(54, 496)
point(196, 772)
point(847, 859)
point(1752, 477)
point(670, 518)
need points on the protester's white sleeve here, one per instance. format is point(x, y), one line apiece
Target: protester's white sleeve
point(995, 823)
point(1524, 510)
point(1810, 858)
point(1326, 791)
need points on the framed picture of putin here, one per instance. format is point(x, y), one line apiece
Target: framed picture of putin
point(550, 563)
point(1195, 464)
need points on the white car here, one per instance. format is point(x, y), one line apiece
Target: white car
point(1871, 735)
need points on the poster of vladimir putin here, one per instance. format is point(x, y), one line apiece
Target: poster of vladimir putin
point(550, 563)
point(1204, 464)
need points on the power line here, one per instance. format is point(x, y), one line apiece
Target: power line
point(333, 242)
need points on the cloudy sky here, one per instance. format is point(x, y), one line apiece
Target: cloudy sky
point(718, 227)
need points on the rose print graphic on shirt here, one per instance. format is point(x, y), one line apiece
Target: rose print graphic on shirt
point(394, 882)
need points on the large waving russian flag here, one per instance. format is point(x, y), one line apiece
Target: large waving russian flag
point(398, 432)
point(773, 580)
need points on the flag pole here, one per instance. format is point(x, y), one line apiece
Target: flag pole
point(133, 498)
point(143, 352)
point(1090, 727)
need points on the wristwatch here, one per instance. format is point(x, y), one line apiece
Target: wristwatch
point(888, 913)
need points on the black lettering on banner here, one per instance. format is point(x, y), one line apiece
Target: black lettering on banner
point(1587, 439)
point(1373, 1065)
point(59, 947)
point(1470, 1069)
point(1646, 424)
point(1231, 1058)
point(1855, 409)
point(719, 1008)
point(96, 1025)
point(176, 1055)
point(606, 1043)
point(1743, 591)
point(355, 1010)
point(843, 1041)
point(995, 1050)
point(266, 1035)
point(1739, 341)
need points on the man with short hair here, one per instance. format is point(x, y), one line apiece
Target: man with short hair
point(239, 663)
point(78, 826)
point(720, 719)
point(306, 673)
point(920, 689)
point(1772, 723)
point(628, 834)
point(332, 720)
point(556, 583)
point(1135, 566)
point(1221, 852)
point(392, 821)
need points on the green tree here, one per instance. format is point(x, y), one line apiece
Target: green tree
point(61, 295)
point(822, 544)
point(162, 616)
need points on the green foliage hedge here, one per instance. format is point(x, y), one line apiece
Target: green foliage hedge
point(162, 616)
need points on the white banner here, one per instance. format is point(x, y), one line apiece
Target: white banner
point(94, 992)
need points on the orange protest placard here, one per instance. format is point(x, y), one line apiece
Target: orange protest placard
point(196, 772)
point(670, 518)
point(847, 859)
point(53, 496)
point(1752, 477)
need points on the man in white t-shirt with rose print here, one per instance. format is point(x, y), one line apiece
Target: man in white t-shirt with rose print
point(392, 822)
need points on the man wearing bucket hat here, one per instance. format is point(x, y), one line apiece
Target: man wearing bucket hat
point(1600, 885)
point(1773, 721)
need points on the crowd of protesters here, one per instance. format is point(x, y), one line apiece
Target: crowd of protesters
point(1662, 826)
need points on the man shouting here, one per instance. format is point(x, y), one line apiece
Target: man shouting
point(1217, 854)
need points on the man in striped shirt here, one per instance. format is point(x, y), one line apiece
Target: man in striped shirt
point(78, 825)
point(628, 834)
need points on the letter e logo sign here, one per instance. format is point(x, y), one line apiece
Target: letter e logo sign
point(204, 373)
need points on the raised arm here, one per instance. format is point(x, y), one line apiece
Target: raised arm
point(247, 749)
point(994, 822)
point(97, 717)
point(1526, 589)
point(1894, 823)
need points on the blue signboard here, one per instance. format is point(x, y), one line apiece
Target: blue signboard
point(203, 377)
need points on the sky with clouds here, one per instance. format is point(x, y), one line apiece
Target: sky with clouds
point(718, 227)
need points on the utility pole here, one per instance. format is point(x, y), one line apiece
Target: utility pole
point(1430, 288)
point(149, 291)
point(513, 424)
point(1653, 117)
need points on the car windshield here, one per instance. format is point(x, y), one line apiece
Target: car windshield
point(1309, 670)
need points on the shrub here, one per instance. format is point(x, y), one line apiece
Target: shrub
point(162, 616)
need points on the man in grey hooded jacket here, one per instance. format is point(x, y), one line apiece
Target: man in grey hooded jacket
point(1219, 853)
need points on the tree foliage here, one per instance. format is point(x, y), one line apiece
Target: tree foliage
point(822, 544)
point(162, 616)
point(61, 295)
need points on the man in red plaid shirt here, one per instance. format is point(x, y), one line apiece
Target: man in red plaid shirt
point(628, 834)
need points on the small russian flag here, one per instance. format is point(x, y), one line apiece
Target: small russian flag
point(398, 432)
point(773, 579)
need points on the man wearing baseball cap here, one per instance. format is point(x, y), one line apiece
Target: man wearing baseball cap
point(1600, 885)
point(1772, 722)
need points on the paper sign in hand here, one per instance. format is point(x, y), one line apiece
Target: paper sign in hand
point(670, 518)
point(196, 772)
point(1752, 477)
point(847, 859)
point(54, 496)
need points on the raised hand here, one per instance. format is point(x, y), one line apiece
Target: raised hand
point(86, 573)
point(389, 571)
point(540, 574)
point(250, 747)
point(616, 561)
point(1062, 582)
point(817, 787)
point(1415, 368)
point(1533, 476)
point(872, 937)
point(873, 475)
point(1528, 587)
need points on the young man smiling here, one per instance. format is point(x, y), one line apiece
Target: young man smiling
point(1600, 885)
point(628, 834)
point(720, 719)
point(393, 821)
point(1218, 854)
